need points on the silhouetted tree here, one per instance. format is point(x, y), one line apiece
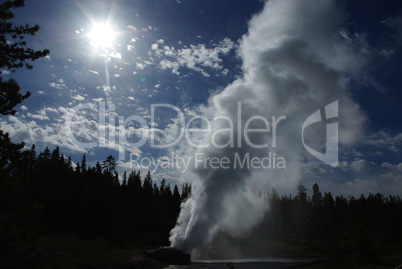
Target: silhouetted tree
point(316, 226)
point(316, 199)
point(148, 187)
point(15, 233)
point(124, 181)
point(14, 55)
point(78, 168)
point(84, 164)
point(301, 193)
point(301, 213)
point(185, 191)
point(109, 165)
point(176, 203)
point(98, 168)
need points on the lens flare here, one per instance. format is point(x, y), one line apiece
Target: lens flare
point(102, 35)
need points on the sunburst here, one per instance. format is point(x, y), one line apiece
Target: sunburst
point(102, 35)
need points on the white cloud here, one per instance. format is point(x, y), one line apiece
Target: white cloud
point(78, 97)
point(385, 140)
point(28, 131)
point(166, 64)
point(116, 55)
point(140, 65)
point(196, 57)
point(130, 47)
point(60, 85)
point(362, 165)
point(393, 167)
point(37, 116)
point(131, 27)
point(388, 183)
point(94, 72)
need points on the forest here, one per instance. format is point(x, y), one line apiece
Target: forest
point(43, 194)
point(363, 229)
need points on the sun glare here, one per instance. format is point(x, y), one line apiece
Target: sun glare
point(102, 35)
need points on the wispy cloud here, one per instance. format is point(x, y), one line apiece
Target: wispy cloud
point(78, 97)
point(195, 57)
point(60, 84)
point(384, 140)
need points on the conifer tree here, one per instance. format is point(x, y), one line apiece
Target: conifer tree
point(14, 54)
point(84, 164)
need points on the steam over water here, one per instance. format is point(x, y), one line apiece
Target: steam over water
point(295, 62)
point(246, 264)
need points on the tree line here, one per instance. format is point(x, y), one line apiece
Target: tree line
point(44, 194)
point(93, 201)
point(363, 228)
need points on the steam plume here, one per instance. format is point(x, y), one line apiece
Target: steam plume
point(294, 63)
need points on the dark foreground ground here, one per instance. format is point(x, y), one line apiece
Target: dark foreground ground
point(70, 251)
point(243, 264)
point(288, 265)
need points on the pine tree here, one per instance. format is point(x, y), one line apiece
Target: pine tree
point(176, 203)
point(14, 55)
point(316, 226)
point(148, 186)
point(134, 183)
point(69, 163)
point(98, 168)
point(15, 238)
point(124, 182)
point(162, 186)
point(185, 191)
point(301, 213)
point(84, 164)
point(317, 199)
point(301, 193)
point(78, 168)
point(109, 165)
point(156, 191)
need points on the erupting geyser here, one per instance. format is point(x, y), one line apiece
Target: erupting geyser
point(295, 61)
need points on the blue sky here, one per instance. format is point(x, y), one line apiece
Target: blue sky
point(198, 57)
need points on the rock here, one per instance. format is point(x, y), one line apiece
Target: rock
point(169, 255)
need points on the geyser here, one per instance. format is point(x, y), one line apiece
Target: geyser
point(294, 63)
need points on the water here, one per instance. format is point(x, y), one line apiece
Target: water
point(270, 263)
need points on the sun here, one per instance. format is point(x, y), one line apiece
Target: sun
point(102, 35)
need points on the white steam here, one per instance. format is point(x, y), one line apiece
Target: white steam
point(294, 62)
